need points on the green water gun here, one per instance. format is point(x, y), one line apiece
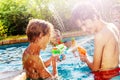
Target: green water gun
point(58, 49)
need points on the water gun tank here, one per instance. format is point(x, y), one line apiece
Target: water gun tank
point(59, 49)
point(82, 51)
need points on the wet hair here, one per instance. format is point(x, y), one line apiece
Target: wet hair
point(116, 7)
point(56, 31)
point(84, 11)
point(38, 27)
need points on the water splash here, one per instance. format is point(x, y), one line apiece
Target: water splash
point(86, 40)
point(56, 16)
point(81, 43)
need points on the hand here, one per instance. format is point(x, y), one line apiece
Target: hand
point(83, 58)
point(63, 57)
point(54, 58)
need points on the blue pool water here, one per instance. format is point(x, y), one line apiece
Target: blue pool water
point(70, 69)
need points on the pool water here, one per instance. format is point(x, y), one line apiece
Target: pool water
point(69, 69)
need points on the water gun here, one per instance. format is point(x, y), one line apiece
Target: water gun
point(58, 49)
point(82, 51)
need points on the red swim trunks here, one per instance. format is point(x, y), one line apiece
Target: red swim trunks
point(106, 75)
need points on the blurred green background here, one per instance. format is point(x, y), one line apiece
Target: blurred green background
point(15, 14)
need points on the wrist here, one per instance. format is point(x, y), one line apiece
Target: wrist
point(86, 60)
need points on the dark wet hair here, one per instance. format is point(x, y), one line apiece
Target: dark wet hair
point(84, 11)
point(36, 27)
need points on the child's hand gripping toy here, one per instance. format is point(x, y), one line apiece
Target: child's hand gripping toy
point(58, 49)
point(82, 51)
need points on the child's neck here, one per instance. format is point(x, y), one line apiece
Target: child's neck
point(100, 25)
point(34, 48)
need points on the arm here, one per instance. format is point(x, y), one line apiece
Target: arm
point(44, 73)
point(97, 58)
point(48, 62)
point(54, 65)
point(52, 60)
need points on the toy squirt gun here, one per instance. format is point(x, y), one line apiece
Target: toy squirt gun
point(81, 51)
point(59, 49)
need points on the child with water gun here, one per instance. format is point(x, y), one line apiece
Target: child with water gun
point(60, 45)
point(105, 64)
point(38, 33)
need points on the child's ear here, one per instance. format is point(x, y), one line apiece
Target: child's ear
point(40, 36)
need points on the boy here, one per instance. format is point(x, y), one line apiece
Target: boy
point(39, 33)
point(68, 43)
point(106, 51)
point(57, 40)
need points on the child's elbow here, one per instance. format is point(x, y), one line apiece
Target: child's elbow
point(95, 68)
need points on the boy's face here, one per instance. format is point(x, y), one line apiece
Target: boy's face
point(45, 40)
point(56, 38)
point(86, 25)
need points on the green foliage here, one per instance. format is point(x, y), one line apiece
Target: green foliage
point(61, 12)
point(14, 15)
point(3, 29)
point(40, 9)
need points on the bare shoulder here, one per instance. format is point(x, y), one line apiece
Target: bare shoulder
point(114, 30)
point(107, 33)
point(24, 54)
point(102, 36)
point(99, 37)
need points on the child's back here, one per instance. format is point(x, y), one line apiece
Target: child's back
point(110, 52)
